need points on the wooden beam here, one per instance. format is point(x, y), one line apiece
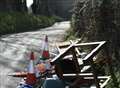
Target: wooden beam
point(58, 49)
point(85, 68)
point(62, 54)
point(78, 52)
point(99, 77)
point(102, 85)
point(89, 44)
point(105, 83)
point(75, 60)
point(90, 55)
point(81, 75)
point(94, 74)
point(95, 51)
point(66, 44)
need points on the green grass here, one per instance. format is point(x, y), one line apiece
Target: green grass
point(15, 22)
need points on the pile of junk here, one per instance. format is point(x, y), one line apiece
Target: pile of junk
point(73, 65)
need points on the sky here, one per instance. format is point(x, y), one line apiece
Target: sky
point(29, 3)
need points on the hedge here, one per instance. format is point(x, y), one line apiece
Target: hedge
point(14, 22)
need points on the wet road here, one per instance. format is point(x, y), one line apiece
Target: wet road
point(15, 48)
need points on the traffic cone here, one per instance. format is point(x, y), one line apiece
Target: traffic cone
point(44, 58)
point(45, 49)
point(31, 78)
point(18, 74)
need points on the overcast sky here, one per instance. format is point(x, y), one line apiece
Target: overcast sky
point(29, 2)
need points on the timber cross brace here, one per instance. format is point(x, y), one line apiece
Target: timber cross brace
point(72, 63)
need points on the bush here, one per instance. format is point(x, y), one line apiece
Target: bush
point(57, 18)
point(15, 22)
point(70, 35)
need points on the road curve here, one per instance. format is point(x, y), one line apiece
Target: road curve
point(15, 48)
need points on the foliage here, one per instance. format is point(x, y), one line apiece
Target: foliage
point(57, 18)
point(97, 23)
point(70, 34)
point(14, 22)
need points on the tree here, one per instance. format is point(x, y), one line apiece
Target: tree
point(41, 7)
point(101, 23)
point(13, 5)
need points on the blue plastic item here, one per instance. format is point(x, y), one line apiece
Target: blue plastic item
point(24, 86)
point(53, 83)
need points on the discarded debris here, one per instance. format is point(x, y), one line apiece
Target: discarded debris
point(72, 67)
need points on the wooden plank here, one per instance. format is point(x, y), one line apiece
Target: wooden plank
point(95, 74)
point(90, 43)
point(85, 68)
point(105, 83)
point(99, 77)
point(68, 43)
point(61, 55)
point(58, 48)
point(95, 51)
point(90, 55)
point(102, 85)
point(89, 58)
point(81, 75)
point(63, 44)
point(78, 52)
point(75, 60)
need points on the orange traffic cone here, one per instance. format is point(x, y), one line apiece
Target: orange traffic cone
point(45, 48)
point(31, 78)
point(18, 74)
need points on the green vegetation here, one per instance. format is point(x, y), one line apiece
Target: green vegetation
point(15, 22)
point(100, 21)
point(69, 35)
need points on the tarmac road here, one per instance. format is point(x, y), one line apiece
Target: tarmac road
point(15, 48)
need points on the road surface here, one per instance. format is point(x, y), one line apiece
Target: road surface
point(15, 49)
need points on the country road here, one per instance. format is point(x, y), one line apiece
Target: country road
point(15, 48)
